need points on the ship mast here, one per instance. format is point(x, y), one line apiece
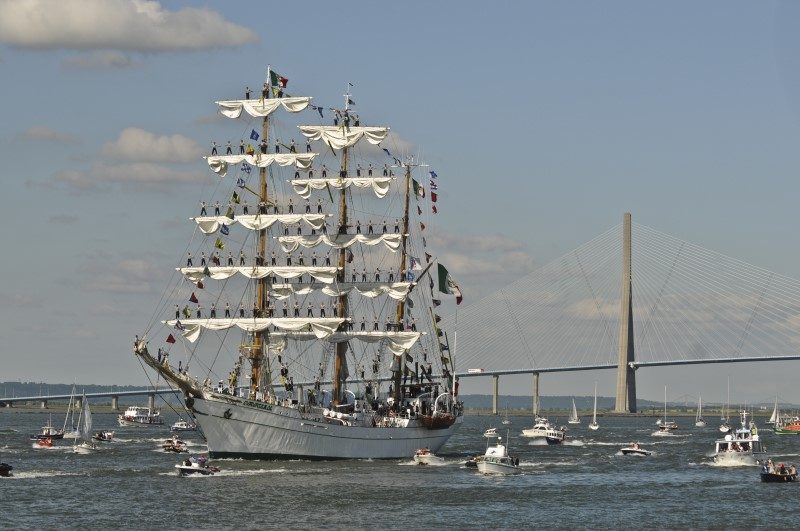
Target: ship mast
point(256, 353)
point(401, 304)
point(342, 306)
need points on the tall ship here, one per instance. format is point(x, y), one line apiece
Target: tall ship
point(306, 301)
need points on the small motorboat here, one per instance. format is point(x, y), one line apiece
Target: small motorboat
point(195, 466)
point(183, 425)
point(103, 436)
point(771, 473)
point(44, 442)
point(424, 456)
point(85, 448)
point(5, 470)
point(496, 459)
point(48, 432)
point(175, 445)
point(473, 461)
point(635, 449)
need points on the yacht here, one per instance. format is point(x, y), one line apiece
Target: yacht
point(742, 447)
point(424, 456)
point(496, 459)
point(140, 416)
point(542, 429)
point(635, 449)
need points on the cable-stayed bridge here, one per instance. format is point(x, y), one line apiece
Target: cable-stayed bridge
point(631, 297)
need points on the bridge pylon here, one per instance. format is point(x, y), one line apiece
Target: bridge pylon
point(626, 375)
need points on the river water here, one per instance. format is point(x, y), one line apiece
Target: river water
point(582, 484)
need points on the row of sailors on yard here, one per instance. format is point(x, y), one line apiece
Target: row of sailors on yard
point(295, 311)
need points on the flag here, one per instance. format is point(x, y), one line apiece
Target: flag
point(436, 302)
point(448, 285)
point(421, 226)
point(245, 168)
point(434, 209)
point(277, 92)
point(434, 186)
point(415, 264)
point(349, 256)
point(235, 198)
point(219, 244)
point(434, 197)
point(200, 284)
point(254, 135)
point(179, 326)
point(170, 339)
point(207, 271)
point(444, 348)
point(350, 101)
point(410, 276)
point(433, 174)
point(419, 190)
point(186, 312)
point(277, 80)
point(424, 242)
point(428, 257)
point(437, 318)
point(193, 298)
point(229, 213)
point(225, 230)
point(419, 211)
point(387, 152)
point(240, 182)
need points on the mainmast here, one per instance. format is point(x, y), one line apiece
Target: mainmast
point(401, 304)
point(342, 306)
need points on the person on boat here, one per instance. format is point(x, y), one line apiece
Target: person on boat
point(782, 470)
point(770, 466)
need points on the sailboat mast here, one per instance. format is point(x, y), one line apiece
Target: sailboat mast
point(401, 304)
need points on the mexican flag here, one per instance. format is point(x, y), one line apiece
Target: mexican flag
point(277, 80)
point(419, 190)
point(447, 285)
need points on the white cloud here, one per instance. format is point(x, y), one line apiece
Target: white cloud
point(128, 25)
point(46, 134)
point(139, 177)
point(143, 146)
point(100, 60)
point(126, 276)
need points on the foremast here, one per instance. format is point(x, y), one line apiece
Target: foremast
point(401, 304)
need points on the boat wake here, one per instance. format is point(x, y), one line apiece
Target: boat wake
point(573, 442)
point(42, 474)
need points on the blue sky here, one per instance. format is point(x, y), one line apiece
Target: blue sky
point(544, 120)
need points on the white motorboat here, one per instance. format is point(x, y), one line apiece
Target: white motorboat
point(496, 459)
point(573, 416)
point(698, 421)
point(140, 416)
point(175, 445)
point(635, 449)
point(542, 429)
point(85, 447)
point(742, 447)
point(506, 420)
point(183, 425)
point(594, 426)
point(424, 456)
point(106, 436)
point(195, 466)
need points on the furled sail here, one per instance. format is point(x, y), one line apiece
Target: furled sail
point(397, 342)
point(325, 274)
point(395, 290)
point(340, 241)
point(321, 327)
point(219, 163)
point(379, 185)
point(340, 137)
point(211, 224)
point(262, 107)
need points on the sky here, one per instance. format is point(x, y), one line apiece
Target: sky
point(545, 122)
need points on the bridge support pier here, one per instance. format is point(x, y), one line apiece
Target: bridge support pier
point(495, 392)
point(114, 403)
point(43, 404)
point(535, 395)
point(151, 401)
point(626, 377)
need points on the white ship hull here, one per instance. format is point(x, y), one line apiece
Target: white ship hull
point(739, 458)
point(255, 430)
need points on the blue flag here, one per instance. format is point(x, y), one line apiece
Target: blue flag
point(387, 152)
point(410, 276)
point(240, 182)
point(253, 135)
point(225, 230)
point(433, 174)
point(246, 168)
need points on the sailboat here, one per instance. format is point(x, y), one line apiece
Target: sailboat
point(69, 418)
point(594, 425)
point(506, 420)
point(774, 417)
point(698, 421)
point(725, 427)
point(573, 416)
point(665, 426)
point(333, 294)
point(83, 443)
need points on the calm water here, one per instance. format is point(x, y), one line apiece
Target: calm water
point(583, 484)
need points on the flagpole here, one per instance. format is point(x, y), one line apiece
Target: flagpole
point(453, 355)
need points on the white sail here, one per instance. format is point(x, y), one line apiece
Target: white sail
point(322, 327)
point(324, 274)
point(573, 416)
point(398, 341)
point(262, 107)
point(380, 185)
point(340, 137)
point(774, 417)
point(211, 224)
point(219, 163)
point(340, 241)
point(397, 290)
